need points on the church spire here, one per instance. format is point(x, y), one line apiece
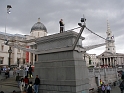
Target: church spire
point(108, 26)
point(110, 46)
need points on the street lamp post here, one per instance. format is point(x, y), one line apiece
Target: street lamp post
point(10, 52)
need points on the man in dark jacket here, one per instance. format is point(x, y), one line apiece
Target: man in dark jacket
point(18, 79)
point(61, 25)
point(121, 86)
point(36, 84)
point(30, 71)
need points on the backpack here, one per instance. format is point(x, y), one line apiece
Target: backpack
point(30, 89)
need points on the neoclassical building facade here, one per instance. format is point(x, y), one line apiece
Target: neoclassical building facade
point(19, 56)
point(37, 30)
point(110, 58)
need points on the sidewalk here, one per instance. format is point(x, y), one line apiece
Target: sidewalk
point(8, 85)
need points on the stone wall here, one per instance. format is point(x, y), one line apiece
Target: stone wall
point(107, 75)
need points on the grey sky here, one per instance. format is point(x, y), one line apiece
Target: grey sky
point(24, 15)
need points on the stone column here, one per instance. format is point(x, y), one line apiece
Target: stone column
point(15, 56)
point(29, 55)
point(21, 56)
point(61, 69)
point(122, 60)
point(104, 62)
point(110, 62)
point(107, 62)
point(101, 63)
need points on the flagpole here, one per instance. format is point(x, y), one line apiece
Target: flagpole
point(6, 23)
point(10, 50)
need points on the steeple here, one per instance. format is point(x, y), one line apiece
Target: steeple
point(110, 46)
point(108, 29)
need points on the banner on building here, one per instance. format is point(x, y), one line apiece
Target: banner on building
point(27, 55)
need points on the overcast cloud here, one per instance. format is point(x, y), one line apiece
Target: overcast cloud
point(24, 15)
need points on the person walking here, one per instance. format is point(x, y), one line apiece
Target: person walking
point(18, 79)
point(22, 84)
point(26, 81)
point(30, 88)
point(121, 86)
point(103, 88)
point(61, 25)
point(27, 70)
point(108, 88)
point(36, 84)
point(30, 71)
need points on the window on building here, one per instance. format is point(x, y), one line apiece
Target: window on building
point(89, 61)
point(2, 47)
point(1, 60)
point(23, 61)
point(108, 49)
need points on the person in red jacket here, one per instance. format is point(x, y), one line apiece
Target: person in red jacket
point(26, 81)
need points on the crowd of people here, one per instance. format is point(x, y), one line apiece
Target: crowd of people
point(23, 80)
point(27, 86)
point(104, 88)
point(107, 88)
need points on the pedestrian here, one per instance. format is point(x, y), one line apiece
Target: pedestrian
point(27, 70)
point(30, 88)
point(14, 72)
point(103, 88)
point(121, 86)
point(18, 79)
point(30, 71)
point(26, 81)
point(22, 84)
point(108, 88)
point(61, 25)
point(36, 84)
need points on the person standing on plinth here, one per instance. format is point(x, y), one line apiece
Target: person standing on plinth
point(61, 25)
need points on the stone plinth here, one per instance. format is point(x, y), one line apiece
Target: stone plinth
point(61, 69)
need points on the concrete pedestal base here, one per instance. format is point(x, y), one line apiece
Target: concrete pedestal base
point(61, 71)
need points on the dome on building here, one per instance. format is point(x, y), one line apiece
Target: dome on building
point(38, 26)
